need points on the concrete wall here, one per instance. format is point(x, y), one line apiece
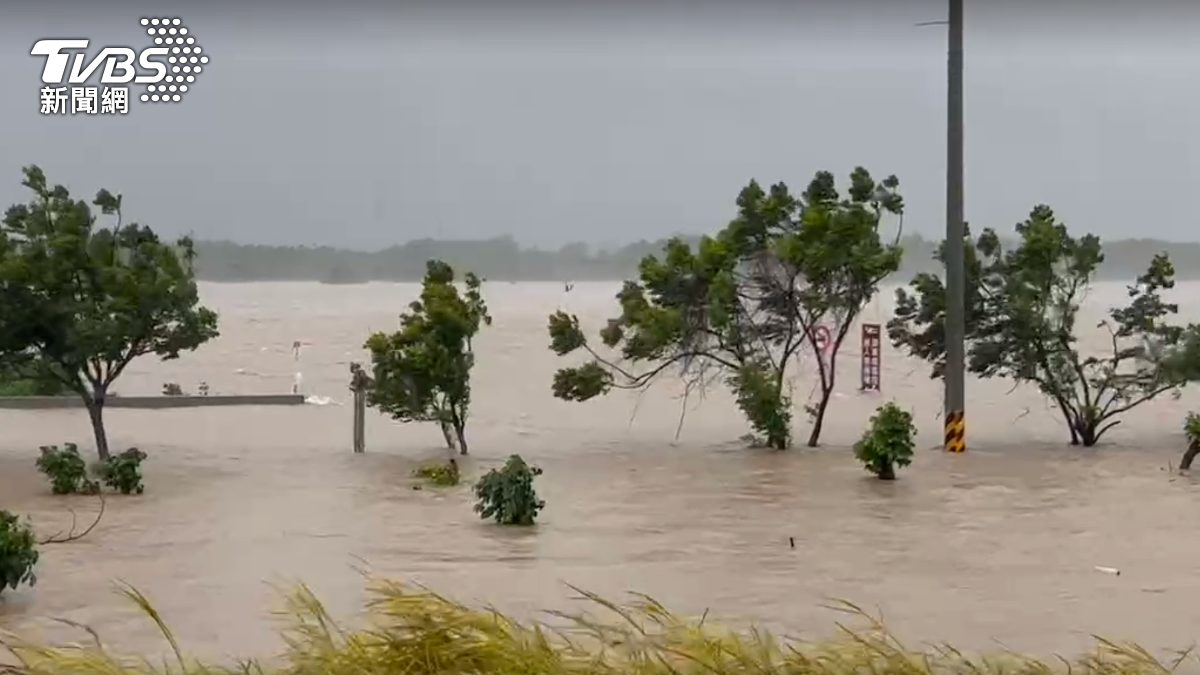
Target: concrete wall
point(149, 402)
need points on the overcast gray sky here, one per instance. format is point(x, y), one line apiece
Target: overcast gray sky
point(365, 124)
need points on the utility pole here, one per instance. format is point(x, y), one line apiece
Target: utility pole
point(955, 376)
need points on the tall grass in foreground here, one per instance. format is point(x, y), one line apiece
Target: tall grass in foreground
point(414, 631)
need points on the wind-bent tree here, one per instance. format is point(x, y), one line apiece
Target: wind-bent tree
point(1022, 309)
point(741, 305)
point(1186, 364)
point(820, 263)
point(24, 324)
point(88, 300)
point(422, 372)
point(684, 314)
point(918, 325)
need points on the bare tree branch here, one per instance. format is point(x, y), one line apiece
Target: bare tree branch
point(63, 537)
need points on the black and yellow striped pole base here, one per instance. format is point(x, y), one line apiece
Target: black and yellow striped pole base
point(956, 432)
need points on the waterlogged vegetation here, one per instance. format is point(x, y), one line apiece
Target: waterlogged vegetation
point(508, 495)
point(66, 470)
point(18, 552)
point(888, 442)
point(123, 472)
point(735, 309)
point(439, 474)
point(82, 300)
point(70, 474)
point(742, 305)
point(739, 307)
point(1023, 305)
point(415, 630)
point(1191, 431)
point(422, 372)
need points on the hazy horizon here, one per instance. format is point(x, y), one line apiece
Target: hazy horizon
point(369, 124)
point(595, 246)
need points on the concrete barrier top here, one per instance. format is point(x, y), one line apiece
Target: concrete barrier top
point(150, 402)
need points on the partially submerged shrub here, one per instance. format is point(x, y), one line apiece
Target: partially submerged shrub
point(442, 474)
point(1191, 429)
point(413, 630)
point(172, 389)
point(18, 552)
point(66, 470)
point(888, 442)
point(508, 495)
point(123, 472)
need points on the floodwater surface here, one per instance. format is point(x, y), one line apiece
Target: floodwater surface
point(995, 547)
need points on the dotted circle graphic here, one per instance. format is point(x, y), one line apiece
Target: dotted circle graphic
point(186, 59)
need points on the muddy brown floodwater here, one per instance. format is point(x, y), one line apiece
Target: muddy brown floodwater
point(996, 546)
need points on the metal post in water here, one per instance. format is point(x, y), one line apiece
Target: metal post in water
point(359, 383)
point(360, 421)
point(955, 375)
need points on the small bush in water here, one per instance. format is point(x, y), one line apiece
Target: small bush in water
point(888, 442)
point(1191, 429)
point(66, 470)
point(444, 475)
point(18, 552)
point(508, 495)
point(123, 472)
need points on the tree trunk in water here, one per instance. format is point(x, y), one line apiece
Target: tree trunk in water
point(462, 439)
point(1193, 450)
point(446, 435)
point(460, 429)
point(777, 442)
point(95, 408)
point(1070, 422)
point(1087, 435)
point(814, 436)
point(887, 471)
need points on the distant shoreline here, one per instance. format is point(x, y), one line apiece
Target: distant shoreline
point(890, 282)
point(504, 259)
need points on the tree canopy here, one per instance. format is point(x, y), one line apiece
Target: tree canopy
point(740, 306)
point(1023, 304)
point(422, 372)
point(82, 301)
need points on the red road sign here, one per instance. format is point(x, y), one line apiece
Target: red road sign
point(823, 338)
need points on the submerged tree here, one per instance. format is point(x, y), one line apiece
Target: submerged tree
point(685, 314)
point(1191, 431)
point(81, 302)
point(918, 325)
point(741, 305)
point(887, 444)
point(422, 372)
point(1023, 304)
point(508, 495)
point(18, 552)
point(818, 264)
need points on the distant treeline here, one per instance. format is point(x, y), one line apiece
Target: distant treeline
point(503, 259)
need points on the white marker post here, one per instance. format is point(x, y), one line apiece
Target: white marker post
point(299, 378)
